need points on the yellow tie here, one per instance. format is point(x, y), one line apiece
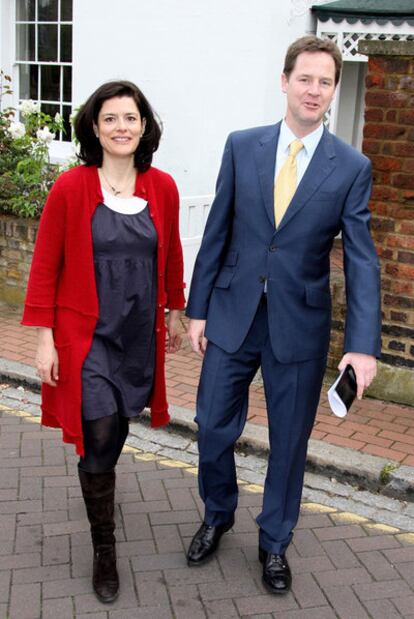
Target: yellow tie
point(286, 182)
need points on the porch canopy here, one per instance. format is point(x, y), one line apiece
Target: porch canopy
point(366, 11)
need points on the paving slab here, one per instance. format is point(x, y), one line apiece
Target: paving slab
point(344, 565)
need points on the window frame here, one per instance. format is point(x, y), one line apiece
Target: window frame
point(61, 103)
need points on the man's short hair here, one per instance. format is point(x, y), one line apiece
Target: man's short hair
point(312, 44)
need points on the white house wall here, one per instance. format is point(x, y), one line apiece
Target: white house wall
point(208, 67)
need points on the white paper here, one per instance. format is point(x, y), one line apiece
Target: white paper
point(337, 406)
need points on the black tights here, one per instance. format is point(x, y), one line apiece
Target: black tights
point(103, 439)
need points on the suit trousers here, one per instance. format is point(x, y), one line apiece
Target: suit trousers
point(292, 394)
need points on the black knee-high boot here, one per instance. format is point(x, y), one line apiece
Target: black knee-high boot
point(98, 491)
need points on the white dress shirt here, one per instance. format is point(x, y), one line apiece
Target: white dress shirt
point(304, 156)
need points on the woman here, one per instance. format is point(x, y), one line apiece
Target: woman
point(107, 262)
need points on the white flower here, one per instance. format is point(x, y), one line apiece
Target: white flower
point(28, 106)
point(58, 118)
point(45, 135)
point(16, 130)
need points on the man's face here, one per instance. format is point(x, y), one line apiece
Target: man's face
point(309, 90)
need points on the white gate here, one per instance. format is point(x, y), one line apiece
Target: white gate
point(193, 216)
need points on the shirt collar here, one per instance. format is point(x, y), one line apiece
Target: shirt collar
point(310, 141)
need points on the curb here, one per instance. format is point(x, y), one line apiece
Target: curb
point(347, 465)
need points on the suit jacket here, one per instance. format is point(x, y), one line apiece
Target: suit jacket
point(241, 249)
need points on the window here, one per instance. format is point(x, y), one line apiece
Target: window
point(44, 55)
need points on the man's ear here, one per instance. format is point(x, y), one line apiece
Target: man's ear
point(284, 82)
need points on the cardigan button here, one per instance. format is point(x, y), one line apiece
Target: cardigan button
point(157, 329)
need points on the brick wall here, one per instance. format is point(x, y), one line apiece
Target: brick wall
point(389, 143)
point(17, 238)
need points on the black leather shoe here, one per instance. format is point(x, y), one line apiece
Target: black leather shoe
point(205, 542)
point(277, 577)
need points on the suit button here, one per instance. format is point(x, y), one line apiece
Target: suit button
point(262, 279)
point(272, 248)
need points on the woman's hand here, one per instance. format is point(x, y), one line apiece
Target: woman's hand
point(174, 338)
point(47, 361)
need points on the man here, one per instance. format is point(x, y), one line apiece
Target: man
point(260, 297)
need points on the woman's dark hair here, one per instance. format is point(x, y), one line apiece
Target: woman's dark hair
point(90, 148)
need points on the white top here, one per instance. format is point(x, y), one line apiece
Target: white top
point(304, 156)
point(127, 206)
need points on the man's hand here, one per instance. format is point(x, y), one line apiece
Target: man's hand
point(365, 367)
point(195, 334)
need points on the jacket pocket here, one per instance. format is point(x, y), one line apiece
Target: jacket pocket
point(231, 258)
point(223, 279)
point(318, 297)
point(64, 352)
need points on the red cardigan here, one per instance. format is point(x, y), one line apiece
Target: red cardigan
point(62, 293)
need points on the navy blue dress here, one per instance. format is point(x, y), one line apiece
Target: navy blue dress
point(118, 372)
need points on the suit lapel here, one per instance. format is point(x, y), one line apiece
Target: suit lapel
point(265, 156)
point(320, 167)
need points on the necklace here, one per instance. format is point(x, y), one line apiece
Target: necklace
point(114, 190)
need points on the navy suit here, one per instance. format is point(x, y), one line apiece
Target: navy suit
point(289, 334)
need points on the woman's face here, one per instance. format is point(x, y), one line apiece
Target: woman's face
point(119, 127)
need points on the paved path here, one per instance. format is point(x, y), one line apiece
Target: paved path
point(372, 427)
point(345, 566)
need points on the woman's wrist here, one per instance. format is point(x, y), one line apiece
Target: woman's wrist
point(44, 335)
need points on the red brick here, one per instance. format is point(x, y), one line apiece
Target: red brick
point(387, 65)
point(386, 99)
point(408, 196)
point(383, 224)
point(374, 114)
point(406, 117)
point(406, 227)
point(318, 435)
point(385, 193)
point(404, 149)
point(371, 440)
point(406, 448)
point(330, 419)
point(400, 241)
point(344, 442)
point(408, 461)
point(383, 452)
point(364, 428)
point(385, 253)
point(372, 147)
point(391, 116)
point(374, 79)
point(381, 177)
point(408, 165)
point(383, 131)
point(260, 421)
point(386, 163)
point(396, 436)
point(400, 430)
point(399, 317)
point(400, 270)
point(337, 431)
point(406, 288)
point(405, 181)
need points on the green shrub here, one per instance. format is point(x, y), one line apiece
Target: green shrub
point(26, 173)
